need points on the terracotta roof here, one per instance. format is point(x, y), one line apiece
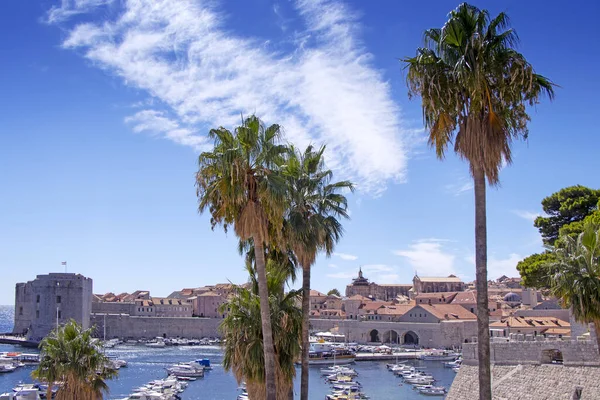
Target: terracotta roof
point(333, 312)
point(448, 296)
point(168, 301)
point(447, 311)
point(316, 293)
point(530, 322)
point(399, 309)
point(374, 305)
point(209, 294)
point(315, 313)
point(358, 297)
point(465, 298)
point(558, 331)
point(396, 284)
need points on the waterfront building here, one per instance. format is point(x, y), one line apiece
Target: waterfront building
point(49, 300)
point(385, 292)
point(208, 304)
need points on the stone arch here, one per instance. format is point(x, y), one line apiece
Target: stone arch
point(410, 337)
point(390, 336)
point(552, 356)
point(374, 336)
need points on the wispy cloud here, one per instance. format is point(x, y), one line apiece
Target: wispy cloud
point(345, 256)
point(528, 215)
point(498, 266)
point(463, 185)
point(332, 266)
point(377, 268)
point(342, 275)
point(185, 55)
point(428, 257)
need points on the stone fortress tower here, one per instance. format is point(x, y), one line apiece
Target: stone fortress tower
point(40, 303)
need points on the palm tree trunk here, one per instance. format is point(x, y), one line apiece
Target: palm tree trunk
point(483, 319)
point(265, 316)
point(305, 323)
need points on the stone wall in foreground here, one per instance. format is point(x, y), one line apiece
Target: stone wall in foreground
point(582, 353)
point(530, 382)
point(130, 327)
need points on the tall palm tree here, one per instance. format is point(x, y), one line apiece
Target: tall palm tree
point(241, 328)
point(311, 224)
point(475, 88)
point(576, 281)
point(238, 182)
point(70, 356)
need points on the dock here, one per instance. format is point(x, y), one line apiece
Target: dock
point(18, 340)
point(407, 355)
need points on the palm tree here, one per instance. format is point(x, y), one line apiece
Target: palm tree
point(241, 328)
point(576, 281)
point(238, 182)
point(70, 356)
point(475, 88)
point(312, 225)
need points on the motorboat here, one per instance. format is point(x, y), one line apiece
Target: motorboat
point(433, 391)
point(338, 369)
point(4, 368)
point(24, 394)
point(186, 370)
point(452, 364)
point(443, 355)
point(157, 344)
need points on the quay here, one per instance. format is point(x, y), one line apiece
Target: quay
point(18, 340)
point(408, 355)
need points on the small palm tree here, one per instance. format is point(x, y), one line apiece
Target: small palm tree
point(312, 224)
point(238, 182)
point(70, 356)
point(242, 331)
point(576, 281)
point(475, 88)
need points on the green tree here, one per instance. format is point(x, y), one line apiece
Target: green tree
point(334, 292)
point(239, 183)
point(242, 331)
point(566, 207)
point(70, 355)
point(475, 88)
point(312, 224)
point(535, 270)
point(576, 281)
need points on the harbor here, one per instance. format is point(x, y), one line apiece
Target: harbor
point(146, 364)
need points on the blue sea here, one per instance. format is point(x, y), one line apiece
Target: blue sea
point(145, 364)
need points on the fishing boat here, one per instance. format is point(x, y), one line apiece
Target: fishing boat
point(443, 355)
point(322, 353)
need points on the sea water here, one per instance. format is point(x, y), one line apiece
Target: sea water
point(146, 364)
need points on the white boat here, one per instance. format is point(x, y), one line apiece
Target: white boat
point(443, 355)
point(433, 391)
point(338, 369)
point(186, 370)
point(4, 368)
point(24, 394)
point(158, 344)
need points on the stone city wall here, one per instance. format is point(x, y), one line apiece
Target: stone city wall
point(133, 327)
point(444, 334)
point(582, 353)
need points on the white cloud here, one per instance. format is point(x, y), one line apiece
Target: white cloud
point(332, 266)
point(342, 275)
point(462, 186)
point(156, 122)
point(376, 268)
point(528, 215)
point(429, 258)
point(325, 90)
point(500, 266)
point(345, 256)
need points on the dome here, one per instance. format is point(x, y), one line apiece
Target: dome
point(512, 298)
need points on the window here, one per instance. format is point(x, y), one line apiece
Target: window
point(37, 313)
point(59, 314)
point(37, 298)
point(20, 310)
point(58, 299)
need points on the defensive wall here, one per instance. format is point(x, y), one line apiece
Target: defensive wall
point(443, 334)
point(527, 370)
point(132, 327)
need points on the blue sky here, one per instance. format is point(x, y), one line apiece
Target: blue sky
point(106, 104)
